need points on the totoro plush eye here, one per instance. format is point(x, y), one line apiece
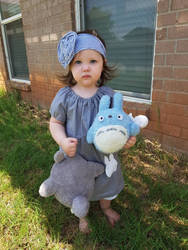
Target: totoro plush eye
point(100, 118)
point(120, 117)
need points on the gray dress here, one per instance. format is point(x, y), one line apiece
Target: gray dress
point(77, 114)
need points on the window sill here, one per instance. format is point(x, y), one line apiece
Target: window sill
point(23, 86)
point(139, 99)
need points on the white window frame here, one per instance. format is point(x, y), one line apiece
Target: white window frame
point(8, 60)
point(79, 8)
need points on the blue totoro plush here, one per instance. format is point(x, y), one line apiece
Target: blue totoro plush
point(112, 126)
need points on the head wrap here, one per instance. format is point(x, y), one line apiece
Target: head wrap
point(72, 43)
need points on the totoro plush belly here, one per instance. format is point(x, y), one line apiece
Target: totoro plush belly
point(110, 139)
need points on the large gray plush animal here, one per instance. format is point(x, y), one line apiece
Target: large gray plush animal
point(72, 182)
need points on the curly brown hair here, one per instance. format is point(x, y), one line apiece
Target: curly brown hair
point(108, 71)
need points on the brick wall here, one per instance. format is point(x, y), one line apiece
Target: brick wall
point(169, 110)
point(44, 22)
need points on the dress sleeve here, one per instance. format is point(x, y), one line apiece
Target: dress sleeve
point(58, 106)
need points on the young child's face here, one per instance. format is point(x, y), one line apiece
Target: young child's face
point(87, 67)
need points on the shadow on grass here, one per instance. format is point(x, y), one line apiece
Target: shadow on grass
point(152, 205)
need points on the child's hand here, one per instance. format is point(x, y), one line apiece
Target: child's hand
point(131, 141)
point(69, 146)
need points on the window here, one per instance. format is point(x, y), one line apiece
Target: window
point(128, 28)
point(13, 39)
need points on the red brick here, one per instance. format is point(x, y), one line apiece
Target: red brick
point(184, 134)
point(157, 84)
point(171, 108)
point(142, 111)
point(152, 134)
point(177, 143)
point(164, 46)
point(178, 32)
point(177, 120)
point(182, 46)
point(166, 19)
point(180, 73)
point(182, 17)
point(161, 34)
point(164, 128)
point(179, 4)
point(170, 130)
point(40, 78)
point(27, 96)
point(159, 96)
point(159, 59)
point(163, 72)
point(154, 126)
point(163, 6)
point(185, 111)
point(142, 107)
point(179, 98)
point(45, 21)
point(129, 110)
point(177, 59)
point(176, 85)
point(157, 115)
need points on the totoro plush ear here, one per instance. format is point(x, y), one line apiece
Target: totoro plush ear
point(118, 101)
point(104, 103)
point(90, 136)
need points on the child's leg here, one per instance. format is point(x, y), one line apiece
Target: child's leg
point(83, 226)
point(111, 215)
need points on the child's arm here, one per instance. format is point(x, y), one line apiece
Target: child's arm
point(131, 141)
point(68, 144)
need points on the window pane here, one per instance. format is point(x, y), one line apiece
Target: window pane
point(128, 27)
point(16, 49)
point(9, 8)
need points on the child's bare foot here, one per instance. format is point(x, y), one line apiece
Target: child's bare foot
point(83, 226)
point(111, 215)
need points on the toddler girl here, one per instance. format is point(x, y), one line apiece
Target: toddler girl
point(76, 105)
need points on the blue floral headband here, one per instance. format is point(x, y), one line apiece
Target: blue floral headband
point(72, 43)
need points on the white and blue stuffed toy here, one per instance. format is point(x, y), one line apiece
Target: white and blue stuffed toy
point(112, 128)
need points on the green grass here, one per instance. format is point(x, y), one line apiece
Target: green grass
point(153, 204)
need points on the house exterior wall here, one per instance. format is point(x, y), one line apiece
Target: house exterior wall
point(169, 110)
point(45, 21)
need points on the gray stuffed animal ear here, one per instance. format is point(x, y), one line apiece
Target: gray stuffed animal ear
point(59, 156)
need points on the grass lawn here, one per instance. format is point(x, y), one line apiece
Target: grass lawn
point(153, 204)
